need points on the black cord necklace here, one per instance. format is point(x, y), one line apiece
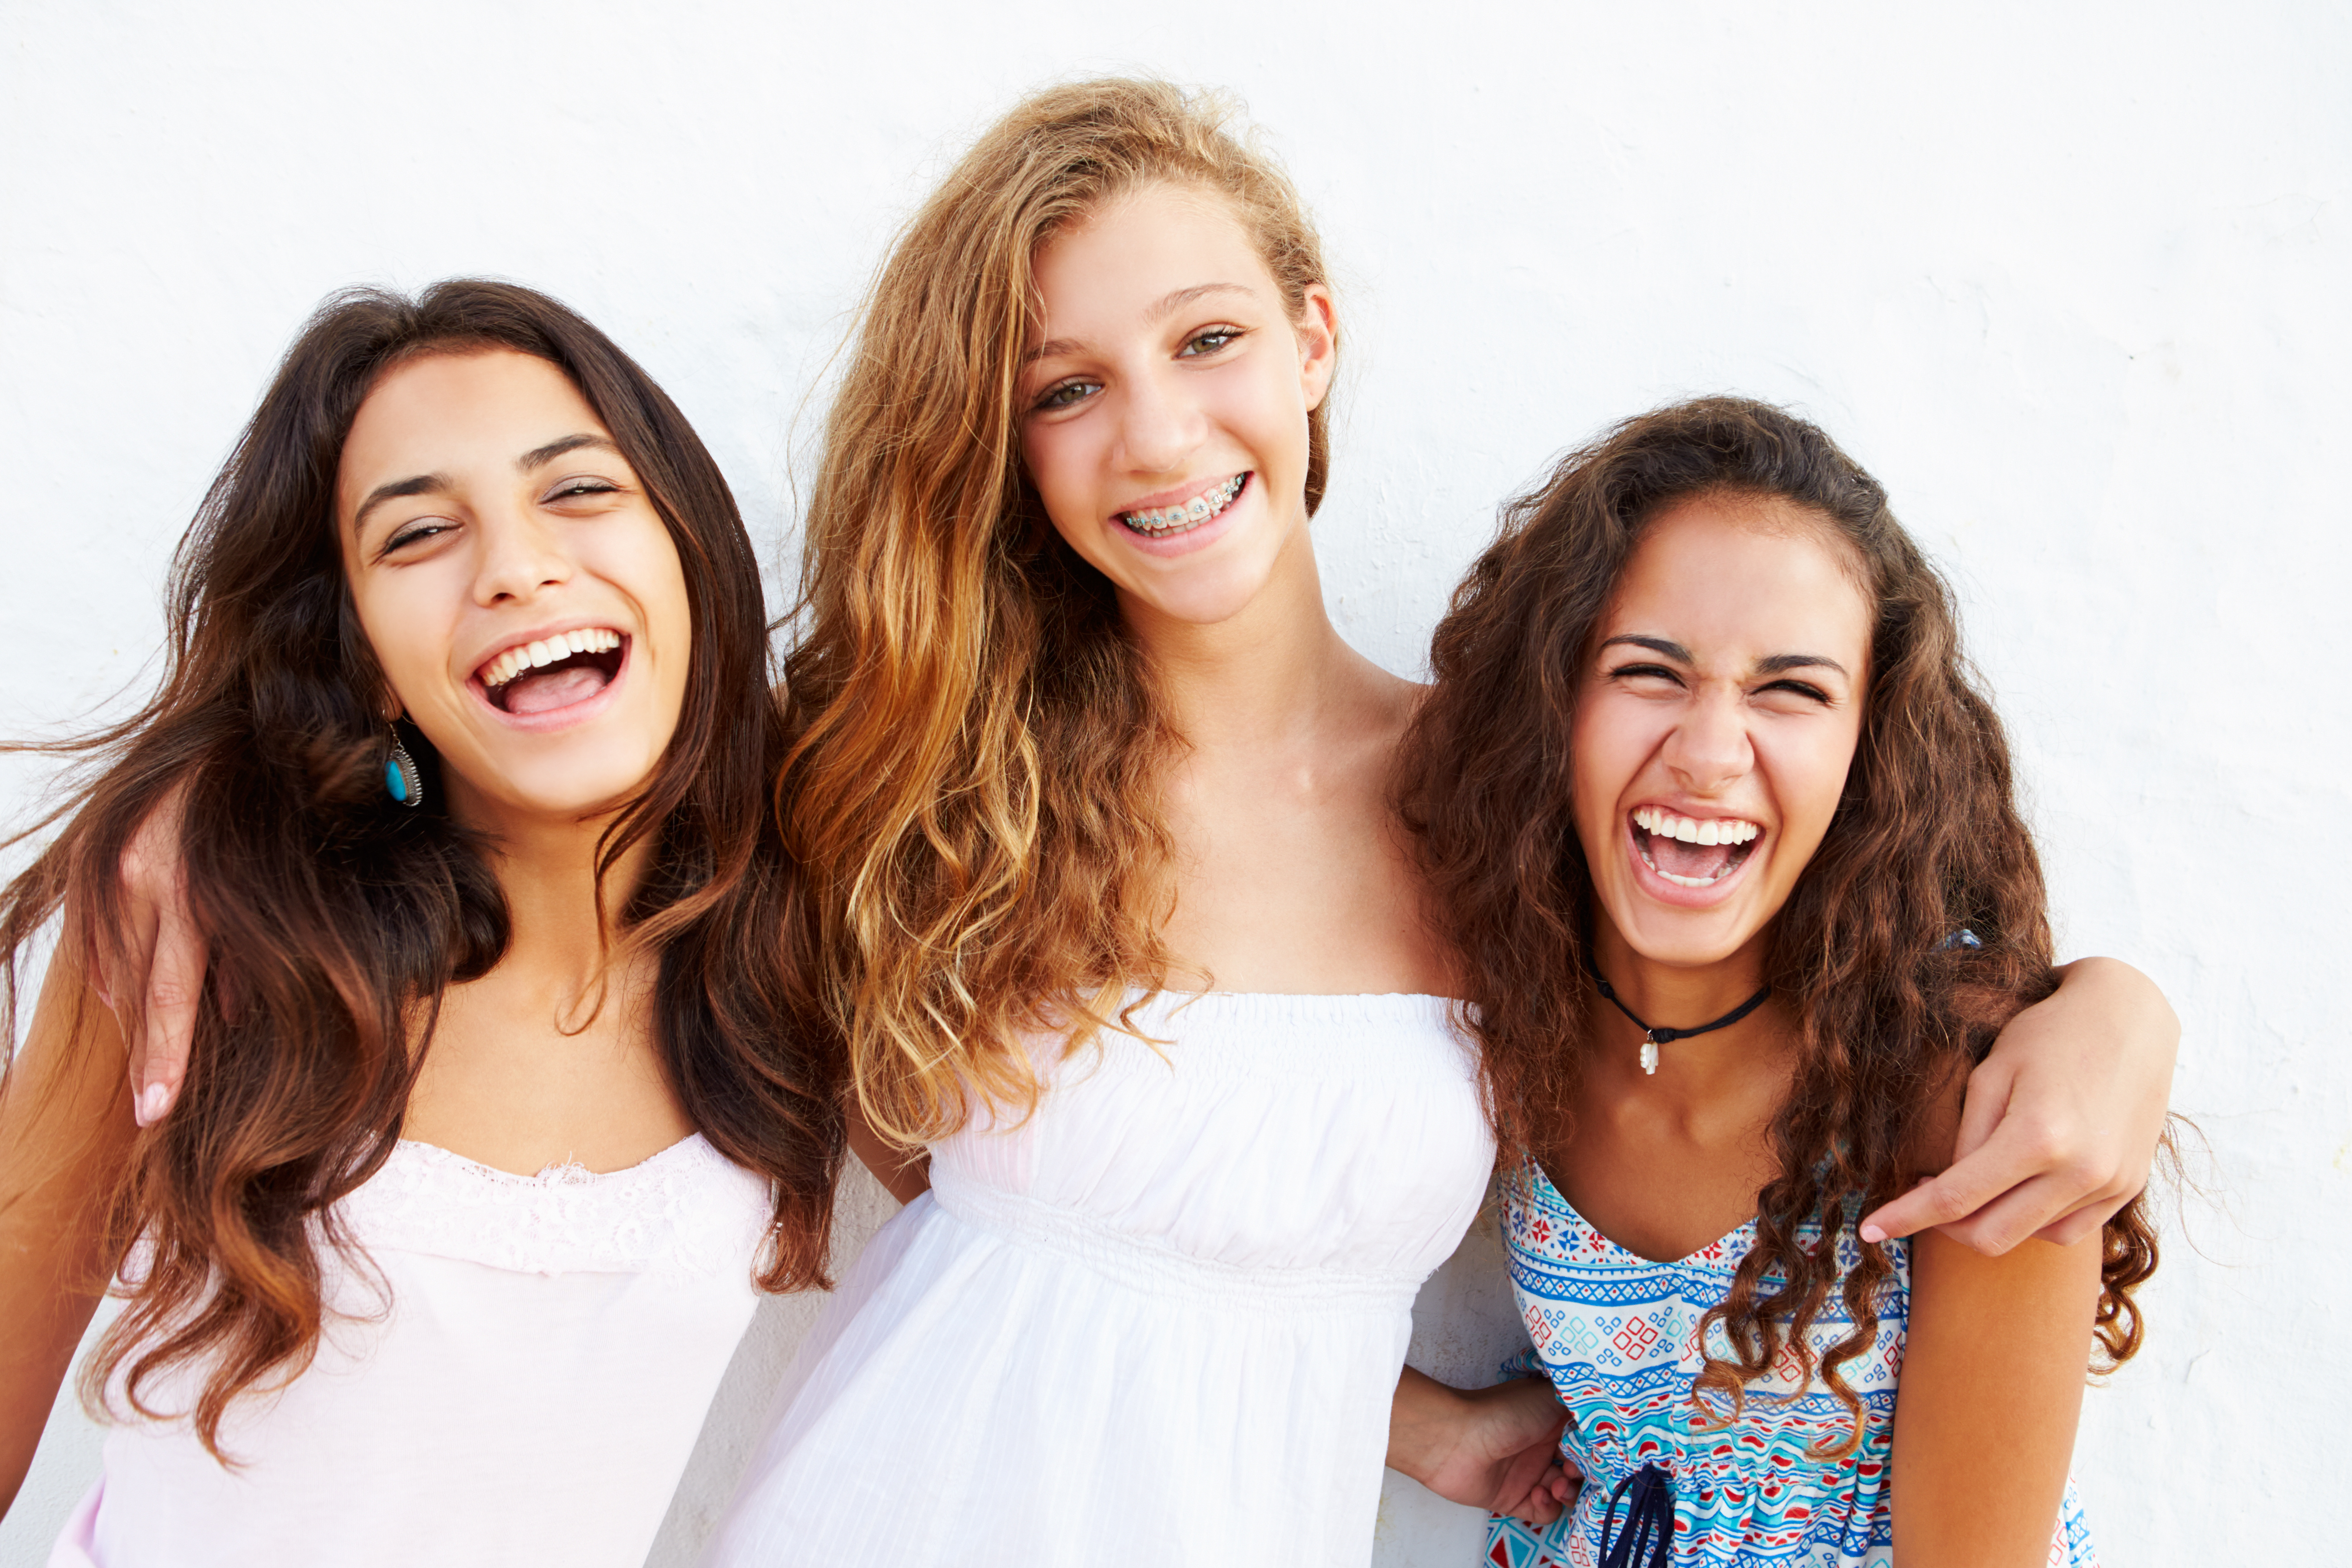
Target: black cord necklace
point(1653, 1038)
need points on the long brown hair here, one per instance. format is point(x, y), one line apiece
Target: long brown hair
point(978, 748)
point(333, 914)
point(1927, 843)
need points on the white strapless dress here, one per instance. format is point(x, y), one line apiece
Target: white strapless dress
point(1157, 1322)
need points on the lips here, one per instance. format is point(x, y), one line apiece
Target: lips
point(1692, 852)
point(1186, 514)
point(558, 670)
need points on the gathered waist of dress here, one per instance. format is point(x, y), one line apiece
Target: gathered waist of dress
point(1148, 1264)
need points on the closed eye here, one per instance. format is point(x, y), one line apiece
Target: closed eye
point(1802, 688)
point(424, 528)
point(1644, 671)
point(585, 485)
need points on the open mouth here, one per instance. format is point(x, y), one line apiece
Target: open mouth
point(555, 671)
point(1689, 851)
point(1167, 521)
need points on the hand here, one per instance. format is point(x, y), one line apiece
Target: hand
point(1495, 1449)
point(151, 969)
point(2060, 1122)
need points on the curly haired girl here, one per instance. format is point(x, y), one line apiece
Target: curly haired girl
point(1726, 832)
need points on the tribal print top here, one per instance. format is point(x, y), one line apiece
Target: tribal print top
point(1617, 1334)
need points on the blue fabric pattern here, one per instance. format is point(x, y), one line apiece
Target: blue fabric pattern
point(1617, 1334)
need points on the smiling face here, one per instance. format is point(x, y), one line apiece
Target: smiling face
point(1166, 399)
point(1716, 721)
point(516, 583)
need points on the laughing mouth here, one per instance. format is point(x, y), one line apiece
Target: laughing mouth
point(555, 671)
point(1693, 852)
point(1167, 521)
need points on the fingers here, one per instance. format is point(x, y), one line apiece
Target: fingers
point(1982, 1107)
point(158, 964)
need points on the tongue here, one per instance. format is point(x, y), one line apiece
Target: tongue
point(543, 689)
point(1683, 859)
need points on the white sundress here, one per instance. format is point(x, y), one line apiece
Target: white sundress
point(1157, 1323)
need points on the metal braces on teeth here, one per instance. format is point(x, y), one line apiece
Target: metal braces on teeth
point(1190, 514)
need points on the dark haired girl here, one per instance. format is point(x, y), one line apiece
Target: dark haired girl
point(498, 1115)
point(1727, 832)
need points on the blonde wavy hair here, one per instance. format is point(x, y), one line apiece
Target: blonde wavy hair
point(974, 778)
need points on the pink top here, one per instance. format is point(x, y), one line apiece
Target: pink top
point(526, 1385)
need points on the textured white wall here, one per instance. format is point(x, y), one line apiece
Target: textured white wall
point(2070, 279)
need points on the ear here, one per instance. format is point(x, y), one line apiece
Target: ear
point(1317, 330)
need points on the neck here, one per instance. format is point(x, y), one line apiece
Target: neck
point(547, 868)
point(1273, 672)
point(1684, 997)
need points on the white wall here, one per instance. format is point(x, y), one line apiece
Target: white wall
point(2071, 281)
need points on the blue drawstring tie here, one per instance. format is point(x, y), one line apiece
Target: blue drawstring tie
point(1649, 1520)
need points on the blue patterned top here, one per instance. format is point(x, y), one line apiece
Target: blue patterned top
point(1617, 1334)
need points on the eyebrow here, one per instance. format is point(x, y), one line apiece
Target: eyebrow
point(1778, 664)
point(426, 484)
point(1160, 310)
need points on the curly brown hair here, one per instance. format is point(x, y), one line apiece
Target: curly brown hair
point(1927, 842)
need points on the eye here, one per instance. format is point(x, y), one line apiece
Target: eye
point(1208, 343)
point(1066, 394)
point(580, 486)
point(1798, 687)
point(1645, 672)
point(414, 532)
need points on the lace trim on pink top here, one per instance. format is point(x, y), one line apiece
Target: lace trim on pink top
point(687, 1210)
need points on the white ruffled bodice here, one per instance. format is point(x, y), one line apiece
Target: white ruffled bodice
point(514, 1371)
point(1158, 1321)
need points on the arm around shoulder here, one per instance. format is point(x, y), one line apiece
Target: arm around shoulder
point(2063, 1119)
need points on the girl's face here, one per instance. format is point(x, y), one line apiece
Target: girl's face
point(1167, 393)
point(1716, 721)
point(518, 587)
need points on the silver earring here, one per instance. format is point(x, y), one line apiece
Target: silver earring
point(400, 775)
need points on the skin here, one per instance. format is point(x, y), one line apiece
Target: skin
point(1723, 729)
point(549, 1058)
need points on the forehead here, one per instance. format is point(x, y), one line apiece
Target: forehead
point(1738, 577)
point(451, 412)
point(1136, 250)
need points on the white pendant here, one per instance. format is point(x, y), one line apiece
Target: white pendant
point(1650, 1055)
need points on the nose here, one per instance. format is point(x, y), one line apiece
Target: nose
point(1160, 424)
point(522, 556)
point(1710, 748)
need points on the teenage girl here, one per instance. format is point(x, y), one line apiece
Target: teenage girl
point(1115, 914)
point(498, 1115)
point(1726, 833)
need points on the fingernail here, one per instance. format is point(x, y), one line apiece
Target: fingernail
point(1873, 1234)
point(153, 1100)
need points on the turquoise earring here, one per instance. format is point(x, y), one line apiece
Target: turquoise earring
point(400, 775)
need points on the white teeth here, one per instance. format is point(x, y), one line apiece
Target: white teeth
point(1690, 830)
point(547, 651)
point(1185, 515)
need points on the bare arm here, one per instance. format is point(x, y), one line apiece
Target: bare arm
point(1990, 1392)
point(905, 1174)
point(1495, 1449)
point(2061, 1119)
point(65, 1139)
